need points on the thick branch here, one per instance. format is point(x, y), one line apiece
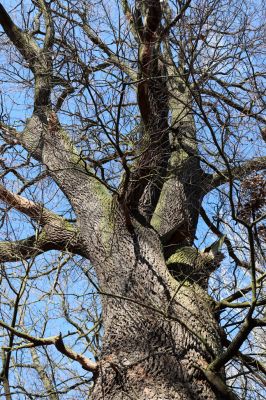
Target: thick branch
point(43, 136)
point(246, 359)
point(23, 249)
point(46, 140)
point(58, 236)
point(226, 304)
point(23, 42)
point(39, 60)
point(234, 346)
point(49, 36)
point(176, 215)
point(33, 210)
point(85, 362)
point(131, 18)
point(154, 149)
point(216, 382)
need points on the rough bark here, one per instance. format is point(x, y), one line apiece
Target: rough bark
point(176, 215)
point(159, 332)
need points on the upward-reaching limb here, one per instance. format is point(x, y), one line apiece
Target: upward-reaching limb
point(43, 136)
point(154, 149)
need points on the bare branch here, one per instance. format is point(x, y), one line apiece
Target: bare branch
point(57, 341)
point(256, 164)
point(240, 293)
point(22, 40)
point(245, 110)
point(234, 346)
point(39, 60)
point(33, 210)
point(153, 105)
point(172, 23)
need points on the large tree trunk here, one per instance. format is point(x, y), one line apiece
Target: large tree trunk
point(158, 332)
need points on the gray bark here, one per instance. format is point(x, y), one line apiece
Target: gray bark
point(158, 332)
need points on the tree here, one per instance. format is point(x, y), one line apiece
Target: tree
point(132, 139)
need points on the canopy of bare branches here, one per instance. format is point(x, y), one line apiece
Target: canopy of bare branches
point(131, 133)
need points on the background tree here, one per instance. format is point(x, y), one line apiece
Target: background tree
point(132, 139)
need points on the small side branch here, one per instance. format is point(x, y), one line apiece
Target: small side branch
point(244, 110)
point(57, 341)
point(227, 242)
point(218, 179)
point(248, 360)
point(85, 362)
point(227, 302)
